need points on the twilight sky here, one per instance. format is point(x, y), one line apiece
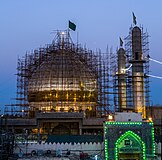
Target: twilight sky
point(26, 25)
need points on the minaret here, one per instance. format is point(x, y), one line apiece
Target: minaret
point(137, 72)
point(121, 78)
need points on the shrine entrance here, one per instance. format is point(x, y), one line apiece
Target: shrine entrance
point(129, 146)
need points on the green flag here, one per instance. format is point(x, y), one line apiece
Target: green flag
point(121, 42)
point(72, 26)
point(134, 19)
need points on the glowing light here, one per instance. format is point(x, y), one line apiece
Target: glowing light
point(124, 123)
point(63, 33)
point(56, 95)
point(128, 134)
point(90, 86)
point(75, 97)
point(150, 119)
point(154, 76)
point(153, 142)
point(155, 60)
point(136, 137)
point(67, 95)
point(110, 117)
point(126, 69)
point(106, 149)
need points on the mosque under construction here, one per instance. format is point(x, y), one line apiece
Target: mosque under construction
point(61, 89)
point(66, 89)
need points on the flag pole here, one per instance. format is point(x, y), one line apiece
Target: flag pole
point(121, 42)
point(68, 33)
point(77, 38)
point(134, 19)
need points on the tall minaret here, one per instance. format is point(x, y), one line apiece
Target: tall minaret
point(137, 72)
point(121, 77)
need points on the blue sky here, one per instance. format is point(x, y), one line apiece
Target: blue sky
point(26, 25)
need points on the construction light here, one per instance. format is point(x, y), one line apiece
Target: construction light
point(110, 117)
point(150, 119)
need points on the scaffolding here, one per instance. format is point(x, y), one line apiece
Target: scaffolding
point(113, 79)
point(62, 77)
point(129, 77)
point(145, 52)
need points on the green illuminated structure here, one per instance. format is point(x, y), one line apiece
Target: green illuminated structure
point(129, 140)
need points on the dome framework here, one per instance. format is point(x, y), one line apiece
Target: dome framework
point(63, 77)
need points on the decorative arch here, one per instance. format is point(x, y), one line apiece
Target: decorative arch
point(71, 110)
point(60, 130)
point(133, 136)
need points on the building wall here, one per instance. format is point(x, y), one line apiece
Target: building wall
point(77, 148)
point(155, 112)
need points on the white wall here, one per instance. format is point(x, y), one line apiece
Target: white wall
point(76, 148)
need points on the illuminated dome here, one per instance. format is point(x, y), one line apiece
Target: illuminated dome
point(62, 72)
point(62, 81)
